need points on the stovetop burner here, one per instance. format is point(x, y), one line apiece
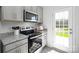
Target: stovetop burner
point(26, 32)
point(31, 33)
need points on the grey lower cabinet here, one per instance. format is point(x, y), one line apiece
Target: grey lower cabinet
point(24, 48)
point(44, 38)
point(21, 49)
point(17, 47)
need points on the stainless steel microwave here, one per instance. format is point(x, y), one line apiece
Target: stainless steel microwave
point(28, 16)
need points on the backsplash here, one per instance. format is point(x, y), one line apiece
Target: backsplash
point(6, 26)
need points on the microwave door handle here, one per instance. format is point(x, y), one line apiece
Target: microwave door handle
point(24, 15)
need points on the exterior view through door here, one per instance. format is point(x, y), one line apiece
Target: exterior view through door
point(63, 30)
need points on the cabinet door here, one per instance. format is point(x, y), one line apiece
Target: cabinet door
point(13, 51)
point(21, 49)
point(27, 8)
point(40, 14)
point(24, 48)
point(34, 9)
point(13, 13)
point(44, 38)
point(19, 11)
point(7, 13)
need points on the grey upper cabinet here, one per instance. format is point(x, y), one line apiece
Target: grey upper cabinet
point(40, 14)
point(12, 13)
point(19, 13)
point(27, 8)
point(32, 9)
point(15, 13)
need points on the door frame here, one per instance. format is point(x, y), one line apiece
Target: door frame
point(70, 21)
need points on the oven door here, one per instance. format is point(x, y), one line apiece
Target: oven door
point(35, 44)
point(30, 16)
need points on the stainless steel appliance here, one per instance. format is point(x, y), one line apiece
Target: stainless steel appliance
point(34, 40)
point(28, 16)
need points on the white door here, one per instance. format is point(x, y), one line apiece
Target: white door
point(63, 29)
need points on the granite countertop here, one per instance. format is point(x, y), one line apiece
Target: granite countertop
point(7, 39)
point(42, 31)
point(10, 38)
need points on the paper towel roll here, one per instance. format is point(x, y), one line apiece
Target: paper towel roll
point(16, 32)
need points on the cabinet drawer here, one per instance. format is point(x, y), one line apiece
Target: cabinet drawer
point(24, 48)
point(21, 49)
point(14, 45)
point(13, 51)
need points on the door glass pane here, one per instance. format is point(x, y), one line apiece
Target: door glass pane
point(62, 28)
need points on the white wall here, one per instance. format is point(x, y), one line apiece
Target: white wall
point(6, 26)
point(48, 22)
point(76, 28)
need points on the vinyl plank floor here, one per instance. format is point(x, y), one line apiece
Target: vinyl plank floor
point(51, 50)
point(48, 50)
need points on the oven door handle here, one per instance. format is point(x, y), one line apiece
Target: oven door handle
point(36, 37)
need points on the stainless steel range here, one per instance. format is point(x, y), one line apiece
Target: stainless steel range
point(34, 40)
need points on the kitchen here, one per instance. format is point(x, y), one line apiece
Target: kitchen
point(16, 28)
point(38, 29)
